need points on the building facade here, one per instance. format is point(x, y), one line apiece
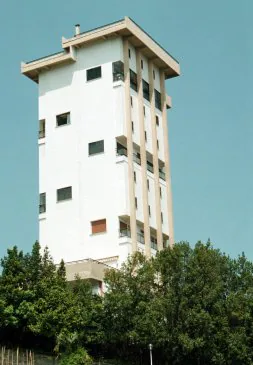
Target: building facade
point(104, 166)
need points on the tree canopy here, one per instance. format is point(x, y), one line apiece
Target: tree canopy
point(194, 304)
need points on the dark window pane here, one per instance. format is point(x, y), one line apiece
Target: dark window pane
point(133, 80)
point(118, 71)
point(64, 193)
point(158, 102)
point(42, 206)
point(94, 73)
point(96, 147)
point(150, 166)
point(145, 88)
point(63, 119)
point(121, 150)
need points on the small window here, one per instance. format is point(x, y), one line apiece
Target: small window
point(149, 211)
point(146, 136)
point(131, 101)
point(148, 184)
point(136, 203)
point(157, 120)
point(93, 73)
point(42, 206)
point(118, 71)
point(145, 88)
point(121, 150)
point(98, 226)
point(144, 110)
point(157, 142)
point(154, 74)
point(133, 80)
point(64, 194)
point(63, 119)
point(161, 192)
point(96, 147)
point(135, 176)
point(158, 101)
point(150, 166)
point(162, 217)
point(129, 52)
point(142, 64)
point(133, 127)
point(137, 158)
point(42, 128)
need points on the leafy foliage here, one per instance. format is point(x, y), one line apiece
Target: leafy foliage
point(195, 305)
point(79, 357)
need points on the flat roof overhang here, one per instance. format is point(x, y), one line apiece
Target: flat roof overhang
point(124, 28)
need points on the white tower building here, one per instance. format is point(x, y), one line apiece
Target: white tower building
point(104, 170)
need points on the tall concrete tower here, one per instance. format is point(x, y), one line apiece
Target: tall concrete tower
point(104, 166)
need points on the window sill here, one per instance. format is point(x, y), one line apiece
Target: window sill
point(95, 154)
point(98, 234)
point(63, 125)
point(41, 141)
point(64, 200)
point(118, 83)
point(97, 78)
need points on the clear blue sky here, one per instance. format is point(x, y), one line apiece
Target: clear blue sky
point(210, 125)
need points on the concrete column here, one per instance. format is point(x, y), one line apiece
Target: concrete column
point(143, 156)
point(167, 159)
point(155, 157)
point(131, 187)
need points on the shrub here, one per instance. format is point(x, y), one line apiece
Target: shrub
point(79, 357)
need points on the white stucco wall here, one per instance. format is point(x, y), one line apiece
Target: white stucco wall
point(99, 182)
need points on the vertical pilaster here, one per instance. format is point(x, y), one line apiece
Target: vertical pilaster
point(133, 225)
point(143, 156)
point(167, 159)
point(155, 157)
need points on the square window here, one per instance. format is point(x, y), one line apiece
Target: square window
point(64, 194)
point(98, 226)
point(62, 119)
point(96, 147)
point(93, 73)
